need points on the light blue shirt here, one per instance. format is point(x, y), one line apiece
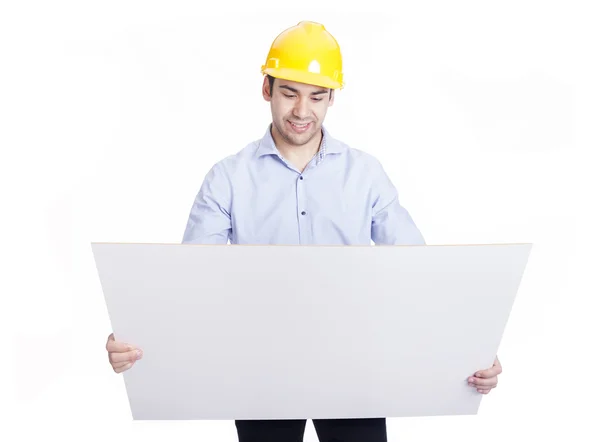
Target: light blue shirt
point(343, 197)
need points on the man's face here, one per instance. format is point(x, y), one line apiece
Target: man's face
point(298, 109)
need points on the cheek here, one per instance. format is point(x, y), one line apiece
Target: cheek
point(281, 110)
point(321, 109)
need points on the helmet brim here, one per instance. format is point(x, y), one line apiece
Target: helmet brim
point(303, 77)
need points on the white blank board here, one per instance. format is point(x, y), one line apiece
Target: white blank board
point(307, 332)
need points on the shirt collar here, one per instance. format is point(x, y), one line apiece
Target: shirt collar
point(329, 145)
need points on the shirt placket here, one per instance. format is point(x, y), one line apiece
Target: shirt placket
point(304, 213)
point(302, 209)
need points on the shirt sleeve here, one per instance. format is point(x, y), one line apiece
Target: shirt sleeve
point(209, 221)
point(391, 224)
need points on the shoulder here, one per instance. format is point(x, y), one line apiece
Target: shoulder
point(230, 165)
point(363, 157)
point(356, 157)
point(363, 166)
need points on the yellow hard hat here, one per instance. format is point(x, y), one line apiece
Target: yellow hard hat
point(306, 53)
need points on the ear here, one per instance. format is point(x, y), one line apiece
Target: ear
point(266, 89)
point(332, 98)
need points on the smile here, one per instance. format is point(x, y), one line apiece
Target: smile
point(299, 128)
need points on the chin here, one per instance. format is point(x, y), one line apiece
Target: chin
point(299, 138)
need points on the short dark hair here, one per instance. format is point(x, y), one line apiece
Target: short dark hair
point(272, 81)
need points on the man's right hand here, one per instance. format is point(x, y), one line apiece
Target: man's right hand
point(120, 355)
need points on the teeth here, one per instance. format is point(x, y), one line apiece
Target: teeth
point(298, 125)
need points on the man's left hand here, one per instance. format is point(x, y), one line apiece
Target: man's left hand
point(485, 380)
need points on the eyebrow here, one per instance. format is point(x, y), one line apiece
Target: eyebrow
point(323, 91)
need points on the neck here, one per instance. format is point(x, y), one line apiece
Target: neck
point(299, 156)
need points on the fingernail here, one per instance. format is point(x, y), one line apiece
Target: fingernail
point(471, 380)
point(138, 354)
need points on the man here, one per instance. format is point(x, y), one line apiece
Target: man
point(299, 185)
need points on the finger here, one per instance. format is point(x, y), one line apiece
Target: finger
point(489, 387)
point(130, 356)
point(480, 382)
point(122, 364)
point(123, 368)
point(482, 391)
point(497, 363)
point(494, 370)
point(488, 373)
point(116, 346)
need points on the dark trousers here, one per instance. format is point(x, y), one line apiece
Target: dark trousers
point(328, 430)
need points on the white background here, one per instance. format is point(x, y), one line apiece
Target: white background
point(485, 115)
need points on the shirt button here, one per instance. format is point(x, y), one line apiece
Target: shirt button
point(303, 213)
point(301, 177)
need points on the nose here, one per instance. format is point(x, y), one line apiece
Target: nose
point(301, 109)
